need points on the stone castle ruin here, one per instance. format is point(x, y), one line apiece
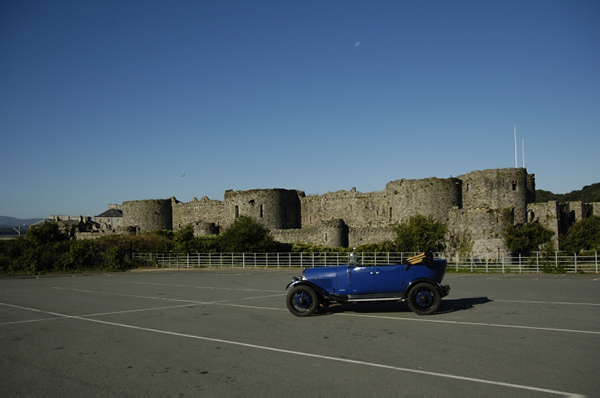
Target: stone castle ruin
point(480, 203)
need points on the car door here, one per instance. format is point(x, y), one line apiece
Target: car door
point(389, 278)
point(356, 280)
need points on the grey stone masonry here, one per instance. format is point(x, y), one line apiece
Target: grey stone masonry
point(480, 203)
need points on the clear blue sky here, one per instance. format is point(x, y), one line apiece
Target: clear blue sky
point(107, 101)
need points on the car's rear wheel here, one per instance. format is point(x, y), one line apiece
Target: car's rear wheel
point(424, 299)
point(302, 301)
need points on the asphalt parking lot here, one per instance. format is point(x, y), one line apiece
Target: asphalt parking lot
point(227, 331)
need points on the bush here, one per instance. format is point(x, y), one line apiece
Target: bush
point(525, 238)
point(583, 235)
point(246, 235)
point(45, 233)
point(82, 255)
point(548, 265)
point(420, 234)
point(183, 239)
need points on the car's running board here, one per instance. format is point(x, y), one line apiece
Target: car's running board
point(376, 299)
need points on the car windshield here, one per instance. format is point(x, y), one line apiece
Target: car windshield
point(352, 259)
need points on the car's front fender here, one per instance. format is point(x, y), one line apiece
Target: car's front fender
point(302, 282)
point(295, 280)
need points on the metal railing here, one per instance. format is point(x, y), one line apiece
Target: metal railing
point(536, 262)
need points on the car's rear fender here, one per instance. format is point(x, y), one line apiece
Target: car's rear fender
point(442, 289)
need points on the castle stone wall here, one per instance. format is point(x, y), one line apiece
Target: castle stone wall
point(305, 235)
point(483, 225)
point(355, 208)
point(547, 214)
point(366, 235)
point(205, 210)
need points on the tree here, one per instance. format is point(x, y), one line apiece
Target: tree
point(184, 239)
point(48, 232)
point(524, 238)
point(246, 235)
point(583, 235)
point(420, 234)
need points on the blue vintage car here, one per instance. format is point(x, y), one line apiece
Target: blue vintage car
point(417, 281)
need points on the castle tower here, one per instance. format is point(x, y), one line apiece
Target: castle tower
point(148, 215)
point(498, 189)
point(333, 233)
point(427, 197)
point(274, 208)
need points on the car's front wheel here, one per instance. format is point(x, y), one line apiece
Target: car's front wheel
point(302, 301)
point(424, 299)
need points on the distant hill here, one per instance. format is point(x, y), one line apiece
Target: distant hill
point(7, 223)
point(588, 194)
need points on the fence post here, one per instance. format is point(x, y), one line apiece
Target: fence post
point(596, 255)
point(457, 261)
point(556, 259)
point(575, 262)
point(502, 262)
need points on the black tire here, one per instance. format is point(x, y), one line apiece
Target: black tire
point(302, 301)
point(424, 299)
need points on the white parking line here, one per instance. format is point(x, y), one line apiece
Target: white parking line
point(142, 297)
point(204, 287)
point(96, 314)
point(544, 302)
point(259, 297)
point(495, 325)
point(305, 354)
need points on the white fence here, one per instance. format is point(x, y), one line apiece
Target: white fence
point(473, 262)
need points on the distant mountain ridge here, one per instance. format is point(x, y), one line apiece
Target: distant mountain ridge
point(10, 222)
point(588, 194)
